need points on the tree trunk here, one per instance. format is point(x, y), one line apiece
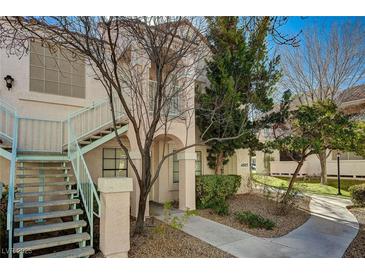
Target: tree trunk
point(323, 162)
point(144, 191)
point(291, 183)
point(219, 164)
point(141, 213)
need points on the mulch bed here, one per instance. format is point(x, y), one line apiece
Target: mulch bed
point(357, 247)
point(296, 215)
point(162, 241)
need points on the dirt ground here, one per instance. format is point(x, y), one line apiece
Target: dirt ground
point(357, 247)
point(163, 241)
point(258, 204)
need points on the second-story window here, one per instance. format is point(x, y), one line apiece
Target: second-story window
point(175, 168)
point(53, 73)
point(173, 106)
point(198, 163)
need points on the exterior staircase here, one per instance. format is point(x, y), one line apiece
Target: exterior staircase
point(48, 220)
point(99, 136)
point(52, 199)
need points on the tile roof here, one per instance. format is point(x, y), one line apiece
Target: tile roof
point(353, 94)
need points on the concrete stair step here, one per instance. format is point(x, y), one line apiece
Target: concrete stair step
point(23, 176)
point(5, 146)
point(43, 168)
point(37, 184)
point(84, 142)
point(81, 252)
point(43, 228)
point(51, 242)
point(47, 203)
point(46, 193)
point(47, 215)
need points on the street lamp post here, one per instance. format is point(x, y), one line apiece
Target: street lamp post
point(338, 175)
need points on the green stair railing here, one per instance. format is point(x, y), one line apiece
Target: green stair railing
point(85, 184)
point(67, 132)
point(9, 131)
point(81, 124)
point(90, 119)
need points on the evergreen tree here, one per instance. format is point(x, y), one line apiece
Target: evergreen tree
point(241, 79)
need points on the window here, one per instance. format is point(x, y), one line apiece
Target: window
point(175, 168)
point(289, 156)
point(174, 105)
point(198, 163)
point(346, 156)
point(172, 95)
point(114, 163)
point(52, 73)
point(151, 93)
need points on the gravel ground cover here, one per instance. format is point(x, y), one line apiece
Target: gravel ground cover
point(357, 247)
point(162, 241)
point(258, 204)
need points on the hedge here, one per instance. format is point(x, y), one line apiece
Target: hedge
point(357, 193)
point(212, 191)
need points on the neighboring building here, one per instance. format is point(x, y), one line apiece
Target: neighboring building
point(351, 165)
point(56, 131)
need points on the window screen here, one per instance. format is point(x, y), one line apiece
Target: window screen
point(52, 73)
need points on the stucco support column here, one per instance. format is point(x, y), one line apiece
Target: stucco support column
point(114, 216)
point(136, 158)
point(187, 179)
point(243, 169)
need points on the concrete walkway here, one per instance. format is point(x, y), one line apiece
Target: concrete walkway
point(327, 233)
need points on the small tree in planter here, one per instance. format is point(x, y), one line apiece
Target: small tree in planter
point(311, 129)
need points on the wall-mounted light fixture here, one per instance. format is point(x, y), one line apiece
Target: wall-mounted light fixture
point(9, 81)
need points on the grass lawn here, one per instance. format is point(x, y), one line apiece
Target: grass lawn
point(309, 185)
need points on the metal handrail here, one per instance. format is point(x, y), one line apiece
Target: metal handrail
point(90, 119)
point(96, 117)
point(40, 135)
point(9, 112)
point(85, 184)
point(10, 209)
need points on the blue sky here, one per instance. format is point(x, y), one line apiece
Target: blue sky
point(296, 23)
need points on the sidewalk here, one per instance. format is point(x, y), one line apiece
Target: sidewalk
point(327, 233)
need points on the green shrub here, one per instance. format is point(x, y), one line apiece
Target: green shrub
point(212, 191)
point(253, 220)
point(357, 193)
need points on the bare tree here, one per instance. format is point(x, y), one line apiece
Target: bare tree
point(121, 51)
point(326, 64)
point(275, 31)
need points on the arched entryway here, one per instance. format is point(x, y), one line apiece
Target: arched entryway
point(176, 180)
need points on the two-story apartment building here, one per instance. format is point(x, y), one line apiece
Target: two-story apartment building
point(57, 139)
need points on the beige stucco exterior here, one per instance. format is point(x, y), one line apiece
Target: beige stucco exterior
point(47, 107)
point(114, 217)
point(34, 105)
